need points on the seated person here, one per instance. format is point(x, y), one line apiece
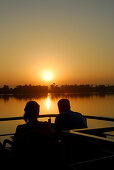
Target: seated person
point(68, 119)
point(34, 140)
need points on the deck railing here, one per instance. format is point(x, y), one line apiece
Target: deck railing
point(49, 116)
point(54, 115)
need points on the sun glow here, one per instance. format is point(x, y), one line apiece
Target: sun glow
point(47, 75)
point(48, 103)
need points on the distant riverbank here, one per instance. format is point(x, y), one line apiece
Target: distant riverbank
point(79, 89)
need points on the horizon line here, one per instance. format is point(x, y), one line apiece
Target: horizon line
point(84, 84)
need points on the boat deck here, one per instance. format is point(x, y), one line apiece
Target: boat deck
point(84, 148)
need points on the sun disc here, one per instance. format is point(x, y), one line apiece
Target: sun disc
point(47, 75)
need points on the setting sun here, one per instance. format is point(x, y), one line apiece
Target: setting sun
point(47, 75)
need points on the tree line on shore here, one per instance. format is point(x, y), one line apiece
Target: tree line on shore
point(30, 89)
point(26, 89)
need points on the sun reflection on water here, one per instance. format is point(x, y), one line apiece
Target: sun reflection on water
point(48, 103)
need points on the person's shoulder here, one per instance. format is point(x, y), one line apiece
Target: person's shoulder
point(21, 127)
point(77, 114)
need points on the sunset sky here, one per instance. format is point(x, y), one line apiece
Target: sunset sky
point(73, 39)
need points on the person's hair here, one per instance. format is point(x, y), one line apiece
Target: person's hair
point(63, 105)
point(31, 111)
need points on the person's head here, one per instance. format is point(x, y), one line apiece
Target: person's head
point(63, 105)
point(31, 111)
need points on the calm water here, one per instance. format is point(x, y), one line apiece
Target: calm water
point(98, 105)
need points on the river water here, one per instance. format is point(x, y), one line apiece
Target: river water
point(97, 105)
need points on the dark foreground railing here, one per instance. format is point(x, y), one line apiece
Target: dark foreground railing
point(49, 116)
point(89, 141)
point(54, 115)
point(20, 118)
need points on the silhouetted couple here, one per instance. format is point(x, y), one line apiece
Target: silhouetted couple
point(66, 120)
point(36, 142)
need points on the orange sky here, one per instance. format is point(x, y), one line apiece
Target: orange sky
point(73, 39)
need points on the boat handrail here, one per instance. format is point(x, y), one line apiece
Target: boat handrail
point(54, 115)
point(49, 116)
